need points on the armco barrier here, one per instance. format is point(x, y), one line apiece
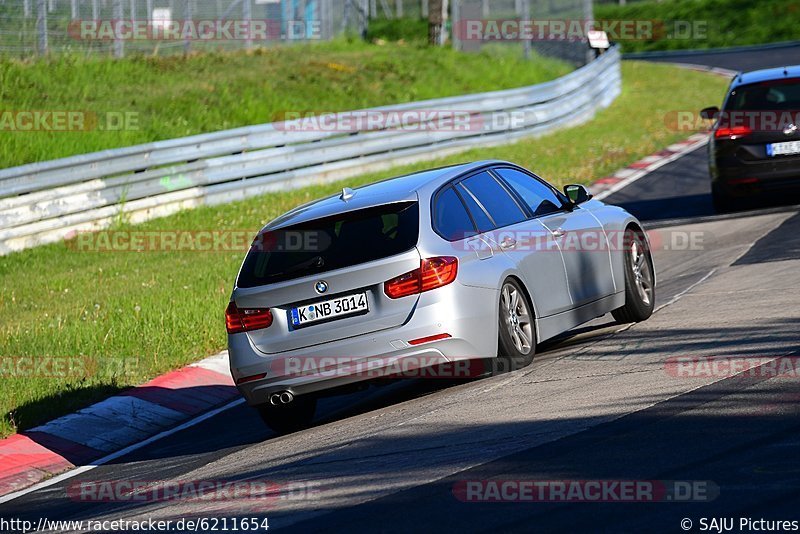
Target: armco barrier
point(44, 202)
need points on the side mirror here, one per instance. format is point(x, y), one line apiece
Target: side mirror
point(577, 194)
point(709, 113)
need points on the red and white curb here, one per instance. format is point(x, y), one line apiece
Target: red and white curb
point(114, 424)
point(725, 73)
point(626, 176)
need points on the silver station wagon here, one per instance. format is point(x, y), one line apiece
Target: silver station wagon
point(463, 269)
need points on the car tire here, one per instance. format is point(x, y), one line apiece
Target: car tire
point(639, 280)
point(517, 331)
point(291, 417)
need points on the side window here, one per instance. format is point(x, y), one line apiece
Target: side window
point(450, 217)
point(540, 198)
point(500, 206)
point(482, 221)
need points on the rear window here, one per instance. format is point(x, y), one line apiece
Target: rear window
point(482, 221)
point(450, 218)
point(783, 94)
point(331, 243)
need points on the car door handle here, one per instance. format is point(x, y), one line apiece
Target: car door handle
point(508, 243)
point(558, 232)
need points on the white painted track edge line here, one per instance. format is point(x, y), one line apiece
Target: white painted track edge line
point(644, 172)
point(122, 452)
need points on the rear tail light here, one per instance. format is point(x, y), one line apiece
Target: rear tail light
point(432, 273)
point(245, 319)
point(732, 132)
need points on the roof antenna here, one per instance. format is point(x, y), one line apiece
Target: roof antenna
point(785, 71)
point(347, 194)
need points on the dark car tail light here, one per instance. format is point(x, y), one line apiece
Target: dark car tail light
point(246, 319)
point(738, 181)
point(732, 132)
point(432, 273)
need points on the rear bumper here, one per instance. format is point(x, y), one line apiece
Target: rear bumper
point(736, 177)
point(468, 314)
point(756, 179)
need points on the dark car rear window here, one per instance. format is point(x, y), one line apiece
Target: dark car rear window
point(782, 94)
point(331, 243)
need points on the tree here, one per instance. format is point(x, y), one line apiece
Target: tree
point(437, 20)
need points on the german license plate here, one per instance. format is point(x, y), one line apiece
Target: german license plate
point(330, 309)
point(783, 149)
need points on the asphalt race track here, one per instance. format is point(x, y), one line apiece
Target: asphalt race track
point(777, 56)
point(603, 403)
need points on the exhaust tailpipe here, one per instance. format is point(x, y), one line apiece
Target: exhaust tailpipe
point(284, 397)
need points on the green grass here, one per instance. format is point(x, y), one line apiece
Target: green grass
point(176, 96)
point(728, 22)
point(403, 29)
point(162, 310)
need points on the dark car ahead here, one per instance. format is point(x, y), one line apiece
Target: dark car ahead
point(755, 142)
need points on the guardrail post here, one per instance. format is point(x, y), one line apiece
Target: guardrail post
point(588, 14)
point(362, 9)
point(327, 20)
point(247, 14)
point(119, 44)
point(41, 26)
point(187, 44)
point(526, 16)
point(455, 21)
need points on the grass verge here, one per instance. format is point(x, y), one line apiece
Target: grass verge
point(715, 23)
point(132, 316)
point(142, 99)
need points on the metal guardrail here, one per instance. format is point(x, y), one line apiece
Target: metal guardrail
point(48, 201)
